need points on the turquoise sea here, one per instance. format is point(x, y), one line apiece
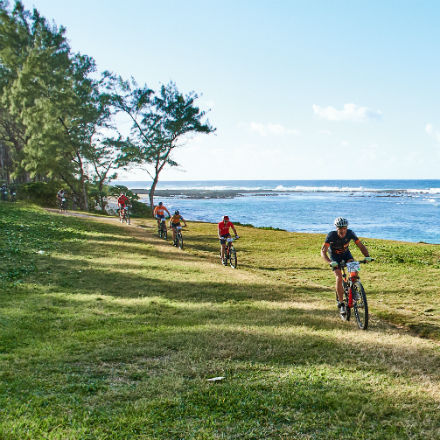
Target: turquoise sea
point(406, 210)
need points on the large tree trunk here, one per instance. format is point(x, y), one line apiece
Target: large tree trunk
point(84, 197)
point(152, 190)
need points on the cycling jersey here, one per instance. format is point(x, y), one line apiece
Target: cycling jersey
point(122, 200)
point(223, 228)
point(160, 210)
point(175, 220)
point(338, 245)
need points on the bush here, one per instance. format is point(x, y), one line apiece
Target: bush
point(41, 193)
point(139, 209)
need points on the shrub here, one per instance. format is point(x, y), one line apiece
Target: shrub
point(41, 193)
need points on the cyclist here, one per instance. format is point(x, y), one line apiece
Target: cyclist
point(123, 201)
point(336, 244)
point(4, 192)
point(223, 234)
point(159, 213)
point(174, 223)
point(61, 197)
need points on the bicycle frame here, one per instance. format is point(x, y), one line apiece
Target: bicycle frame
point(124, 214)
point(351, 283)
point(229, 250)
point(178, 237)
point(347, 281)
point(162, 229)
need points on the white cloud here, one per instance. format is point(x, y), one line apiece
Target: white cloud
point(345, 143)
point(432, 132)
point(272, 129)
point(326, 132)
point(350, 112)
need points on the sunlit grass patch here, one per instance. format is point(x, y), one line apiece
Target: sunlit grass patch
point(115, 333)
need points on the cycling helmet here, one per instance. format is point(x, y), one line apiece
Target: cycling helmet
point(160, 203)
point(341, 222)
point(225, 217)
point(176, 212)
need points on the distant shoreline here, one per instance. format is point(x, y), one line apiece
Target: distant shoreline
point(233, 193)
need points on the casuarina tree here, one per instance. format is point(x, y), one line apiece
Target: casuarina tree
point(161, 122)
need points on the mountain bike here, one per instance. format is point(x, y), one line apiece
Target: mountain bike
point(124, 215)
point(230, 253)
point(63, 204)
point(354, 294)
point(179, 238)
point(162, 230)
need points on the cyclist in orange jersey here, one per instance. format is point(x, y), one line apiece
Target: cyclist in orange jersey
point(159, 213)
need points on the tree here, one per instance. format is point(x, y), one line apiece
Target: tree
point(161, 121)
point(51, 111)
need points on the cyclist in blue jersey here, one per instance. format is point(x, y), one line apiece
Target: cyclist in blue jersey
point(335, 249)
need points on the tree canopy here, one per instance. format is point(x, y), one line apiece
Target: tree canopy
point(57, 118)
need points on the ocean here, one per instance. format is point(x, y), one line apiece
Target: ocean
point(405, 210)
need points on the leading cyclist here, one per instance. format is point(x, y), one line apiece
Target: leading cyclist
point(223, 234)
point(336, 244)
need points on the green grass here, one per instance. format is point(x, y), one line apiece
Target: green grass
point(107, 332)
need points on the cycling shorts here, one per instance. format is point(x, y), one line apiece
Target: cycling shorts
point(346, 256)
point(174, 225)
point(223, 238)
point(160, 216)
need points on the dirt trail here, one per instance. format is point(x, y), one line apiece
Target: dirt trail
point(147, 233)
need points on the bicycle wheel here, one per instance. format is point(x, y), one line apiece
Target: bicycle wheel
point(360, 305)
point(233, 258)
point(180, 240)
point(226, 257)
point(164, 233)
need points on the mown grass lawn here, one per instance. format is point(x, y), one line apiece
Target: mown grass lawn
point(107, 332)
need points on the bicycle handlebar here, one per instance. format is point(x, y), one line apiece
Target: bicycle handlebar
point(344, 263)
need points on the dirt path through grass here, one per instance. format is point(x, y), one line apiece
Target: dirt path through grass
point(108, 332)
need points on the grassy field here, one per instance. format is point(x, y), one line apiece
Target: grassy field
point(107, 332)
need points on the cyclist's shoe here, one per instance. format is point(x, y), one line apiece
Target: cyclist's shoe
point(341, 307)
point(224, 262)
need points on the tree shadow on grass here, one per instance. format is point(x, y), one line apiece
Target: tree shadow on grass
point(237, 348)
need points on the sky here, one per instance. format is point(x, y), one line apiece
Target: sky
point(296, 89)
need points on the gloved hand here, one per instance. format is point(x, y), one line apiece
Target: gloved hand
point(334, 264)
point(368, 259)
point(237, 236)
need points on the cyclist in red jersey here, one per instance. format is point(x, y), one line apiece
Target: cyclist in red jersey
point(223, 234)
point(122, 201)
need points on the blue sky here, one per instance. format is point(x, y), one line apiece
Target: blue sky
point(296, 89)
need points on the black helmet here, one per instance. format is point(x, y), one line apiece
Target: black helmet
point(160, 203)
point(176, 212)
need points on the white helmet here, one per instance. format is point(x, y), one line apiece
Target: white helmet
point(341, 222)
